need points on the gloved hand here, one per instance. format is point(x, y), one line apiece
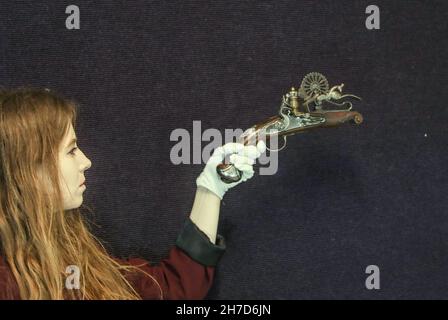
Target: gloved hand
point(243, 157)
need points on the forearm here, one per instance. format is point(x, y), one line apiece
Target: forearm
point(205, 212)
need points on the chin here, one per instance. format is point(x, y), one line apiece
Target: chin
point(73, 205)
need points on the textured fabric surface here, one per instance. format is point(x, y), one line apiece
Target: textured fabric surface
point(342, 199)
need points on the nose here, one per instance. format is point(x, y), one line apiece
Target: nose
point(86, 163)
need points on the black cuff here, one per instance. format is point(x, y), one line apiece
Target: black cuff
point(198, 246)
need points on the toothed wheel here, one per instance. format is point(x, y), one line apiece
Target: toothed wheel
point(314, 83)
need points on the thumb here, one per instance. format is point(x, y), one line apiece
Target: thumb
point(261, 146)
point(228, 148)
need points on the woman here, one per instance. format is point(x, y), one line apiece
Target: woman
point(42, 230)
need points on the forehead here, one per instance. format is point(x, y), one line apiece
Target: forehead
point(70, 133)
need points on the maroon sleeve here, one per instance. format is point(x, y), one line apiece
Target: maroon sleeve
point(187, 273)
point(176, 277)
point(8, 287)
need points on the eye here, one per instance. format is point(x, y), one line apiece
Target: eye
point(72, 152)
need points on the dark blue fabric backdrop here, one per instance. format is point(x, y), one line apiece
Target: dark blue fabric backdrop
point(341, 200)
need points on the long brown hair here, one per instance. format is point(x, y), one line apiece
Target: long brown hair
point(38, 238)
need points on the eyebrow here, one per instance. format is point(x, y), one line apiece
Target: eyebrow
point(74, 140)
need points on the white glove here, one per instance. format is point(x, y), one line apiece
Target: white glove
point(242, 157)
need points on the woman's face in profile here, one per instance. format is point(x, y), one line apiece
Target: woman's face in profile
point(72, 163)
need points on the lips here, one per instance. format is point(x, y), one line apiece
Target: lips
point(82, 183)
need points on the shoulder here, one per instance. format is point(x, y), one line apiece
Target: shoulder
point(141, 277)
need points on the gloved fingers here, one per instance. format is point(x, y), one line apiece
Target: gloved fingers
point(247, 175)
point(236, 158)
point(239, 153)
point(243, 167)
point(221, 152)
point(254, 151)
point(218, 152)
point(235, 147)
point(232, 147)
point(250, 151)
